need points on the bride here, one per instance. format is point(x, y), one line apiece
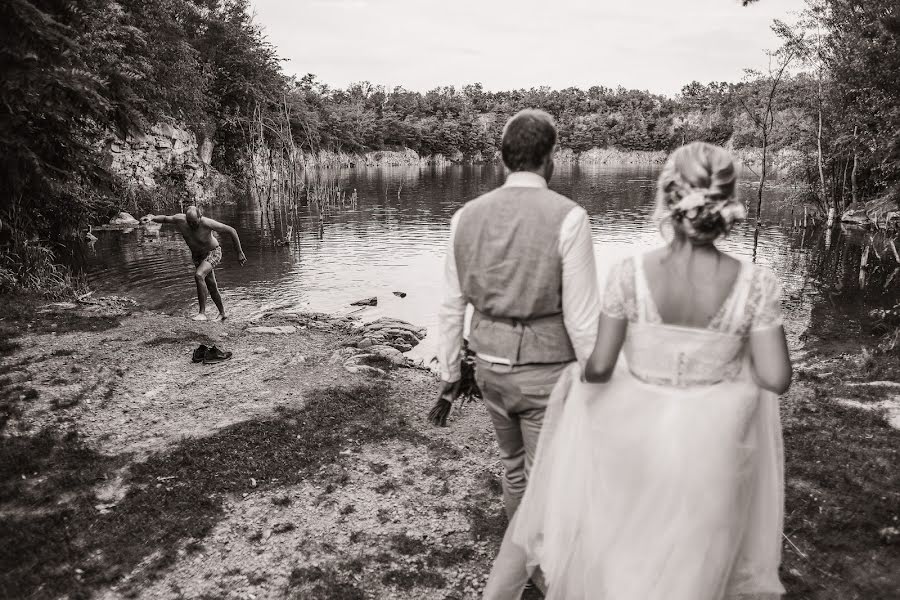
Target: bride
point(663, 480)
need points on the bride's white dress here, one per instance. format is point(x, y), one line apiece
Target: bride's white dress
point(667, 482)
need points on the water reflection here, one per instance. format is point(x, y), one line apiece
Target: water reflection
point(393, 239)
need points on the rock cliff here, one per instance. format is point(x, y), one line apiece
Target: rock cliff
point(167, 156)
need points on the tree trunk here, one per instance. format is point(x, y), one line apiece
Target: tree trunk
point(819, 144)
point(843, 190)
point(762, 177)
point(853, 189)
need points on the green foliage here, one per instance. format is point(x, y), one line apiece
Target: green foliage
point(76, 71)
point(30, 267)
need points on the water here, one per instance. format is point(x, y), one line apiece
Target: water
point(395, 237)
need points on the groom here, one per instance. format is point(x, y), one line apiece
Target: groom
point(522, 256)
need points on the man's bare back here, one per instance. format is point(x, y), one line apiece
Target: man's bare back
point(197, 232)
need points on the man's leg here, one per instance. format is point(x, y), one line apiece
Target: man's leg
point(203, 270)
point(534, 384)
point(213, 287)
point(508, 575)
point(495, 389)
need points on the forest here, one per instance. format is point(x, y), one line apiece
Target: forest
point(76, 70)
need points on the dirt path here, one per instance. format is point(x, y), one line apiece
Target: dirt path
point(127, 471)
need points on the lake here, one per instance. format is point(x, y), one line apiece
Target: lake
point(393, 240)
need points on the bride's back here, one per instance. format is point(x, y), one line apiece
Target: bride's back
point(688, 314)
point(690, 285)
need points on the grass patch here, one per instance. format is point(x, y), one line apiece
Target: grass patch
point(487, 520)
point(407, 546)
point(386, 487)
point(50, 529)
point(450, 557)
point(30, 313)
point(412, 578)
point(842, 490)
point(318, 583)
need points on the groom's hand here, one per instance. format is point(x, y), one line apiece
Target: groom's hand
point(441, 409)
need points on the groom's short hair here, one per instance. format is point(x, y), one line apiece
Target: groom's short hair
point(528, 138)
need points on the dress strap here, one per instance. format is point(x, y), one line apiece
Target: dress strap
point(646, 307)
point(731, 315)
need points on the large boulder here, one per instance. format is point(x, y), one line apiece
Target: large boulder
point(123, 219)
point(397, 334)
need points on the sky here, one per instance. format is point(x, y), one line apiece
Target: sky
point(655, 45)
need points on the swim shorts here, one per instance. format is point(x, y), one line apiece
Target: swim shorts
point(213, 257)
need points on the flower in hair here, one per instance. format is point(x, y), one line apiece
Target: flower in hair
point(694, 199)
point(733, 211)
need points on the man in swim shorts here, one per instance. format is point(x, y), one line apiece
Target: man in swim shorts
point(197, 232)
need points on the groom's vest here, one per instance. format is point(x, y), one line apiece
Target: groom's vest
point(506, 246)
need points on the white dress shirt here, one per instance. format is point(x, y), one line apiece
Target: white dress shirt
point(580, 297)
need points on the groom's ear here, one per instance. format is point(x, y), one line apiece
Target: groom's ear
point(548, 168)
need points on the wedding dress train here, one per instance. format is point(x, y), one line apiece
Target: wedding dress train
point(667, 482)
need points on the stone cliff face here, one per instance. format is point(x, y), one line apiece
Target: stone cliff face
point(167, 155)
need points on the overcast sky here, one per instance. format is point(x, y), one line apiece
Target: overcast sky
point(657, 45)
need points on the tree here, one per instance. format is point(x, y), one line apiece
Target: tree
point(758, 99)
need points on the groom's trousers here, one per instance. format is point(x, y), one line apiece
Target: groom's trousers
point(516, 399)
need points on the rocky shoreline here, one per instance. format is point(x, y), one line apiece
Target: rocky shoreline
point(127, 471)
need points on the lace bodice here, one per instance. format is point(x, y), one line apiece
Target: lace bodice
point(686, 356)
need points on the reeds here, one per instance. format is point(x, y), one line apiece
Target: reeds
point(284, 180)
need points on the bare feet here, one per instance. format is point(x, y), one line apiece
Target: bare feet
point(200, 317)
point(220, 317)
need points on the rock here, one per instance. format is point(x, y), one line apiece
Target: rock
point(283, 527)
point(856, 214)
point(366, 343)
point(341, 355)
point(164, 130)
point(261, 350)
point(357, 369)
point(386, 323)
point(279, 330)
point(400, 294)
point(373, 301)
point(403, 334)
point(400, 346)
point(123, 219)
point(292, 361)
point(889, 535)
point(392, 354)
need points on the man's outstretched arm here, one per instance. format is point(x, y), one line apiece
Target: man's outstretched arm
point(159, 218)
point(229, 230)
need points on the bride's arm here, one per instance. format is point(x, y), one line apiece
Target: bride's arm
point(614, 310)
point(768, 346)
point(771, 363)
point(610, 337)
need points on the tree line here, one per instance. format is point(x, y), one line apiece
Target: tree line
point(75, 70)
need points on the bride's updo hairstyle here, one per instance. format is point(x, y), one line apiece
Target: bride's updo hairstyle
point(696, 194)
